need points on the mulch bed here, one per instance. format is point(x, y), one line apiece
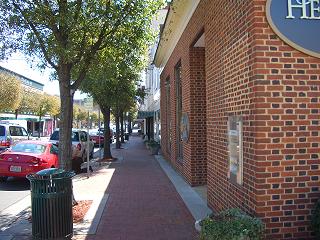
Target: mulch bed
point(80, 210)
point(107, 160)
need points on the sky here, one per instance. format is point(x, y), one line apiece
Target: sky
point(19, 64)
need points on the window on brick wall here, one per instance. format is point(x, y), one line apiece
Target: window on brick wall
point(235, 149)
point(168, 114)
point(179, 111)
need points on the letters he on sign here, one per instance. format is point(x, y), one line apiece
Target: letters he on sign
point(309, 9)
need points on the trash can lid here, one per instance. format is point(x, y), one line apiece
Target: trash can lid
point(50, 171)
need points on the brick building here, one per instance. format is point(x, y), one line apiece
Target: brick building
point(240, 112)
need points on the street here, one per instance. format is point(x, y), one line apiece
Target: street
point(13, 191)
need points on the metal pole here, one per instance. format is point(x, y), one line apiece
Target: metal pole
point(99, 133)
point(88, 150)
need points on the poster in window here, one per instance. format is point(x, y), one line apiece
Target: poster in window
point(184, 127)
point(235, 125)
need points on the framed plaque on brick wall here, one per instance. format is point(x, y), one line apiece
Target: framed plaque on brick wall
point(235, 149)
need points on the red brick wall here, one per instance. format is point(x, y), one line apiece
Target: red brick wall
point(287, 91)
point(194, 164)
point(251, 72)
point(198, 116)
point(230, 90)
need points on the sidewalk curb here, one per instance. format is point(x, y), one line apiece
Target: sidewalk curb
point(92, 219)
point(193, 201)
point(16, 210)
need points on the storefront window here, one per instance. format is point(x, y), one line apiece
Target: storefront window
point(168, 113)
point(235, 147)
point(179, 110)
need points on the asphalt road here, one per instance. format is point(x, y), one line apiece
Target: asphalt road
point(15, 189)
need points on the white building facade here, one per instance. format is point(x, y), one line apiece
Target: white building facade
point(150, 109)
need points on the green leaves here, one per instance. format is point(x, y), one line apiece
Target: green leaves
point(231, 224)
point(10, 92)
point(116, 72)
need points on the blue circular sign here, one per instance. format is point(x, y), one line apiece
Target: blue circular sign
point(297, 22)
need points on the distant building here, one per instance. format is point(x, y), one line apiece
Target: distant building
point(149, 111)
point(26, 82)
point(28, 120)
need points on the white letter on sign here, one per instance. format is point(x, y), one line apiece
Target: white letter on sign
point(314, 9)
point(302, 5)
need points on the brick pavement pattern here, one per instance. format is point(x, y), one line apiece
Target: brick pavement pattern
point(143, 204)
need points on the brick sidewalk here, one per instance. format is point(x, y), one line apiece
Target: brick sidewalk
point(143, 204)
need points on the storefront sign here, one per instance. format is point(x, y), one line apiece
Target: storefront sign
point(297, 22)
point(185, 127)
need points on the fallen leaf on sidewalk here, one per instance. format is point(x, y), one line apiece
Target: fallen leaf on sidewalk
point(80, 210)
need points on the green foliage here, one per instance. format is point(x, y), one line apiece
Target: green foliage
point(152, 143)
point(68, 36)
point(10, 92)
point(232, 224)
point(80, 115)
point(54, 101)
point(28, 102)
point(45, 104)
point(94, 118)
point(316, 220)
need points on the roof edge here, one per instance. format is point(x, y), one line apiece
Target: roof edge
point(178, 17)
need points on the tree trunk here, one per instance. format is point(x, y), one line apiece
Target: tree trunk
point(16, 112)
point(39, 134)
point(65, 126)
point(106, 145)
point(118, 143)
point(121, 125)
point(54, 124)
point(129, 125)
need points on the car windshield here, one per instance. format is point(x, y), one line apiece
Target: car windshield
point(29, 148)
point(2, 131)
point(74, 136)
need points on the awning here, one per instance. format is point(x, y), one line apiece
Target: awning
point(145, 114)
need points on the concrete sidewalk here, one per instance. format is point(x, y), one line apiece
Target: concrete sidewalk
point(133, 198)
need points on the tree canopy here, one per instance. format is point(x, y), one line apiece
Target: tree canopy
point(10, 92)
point(67, 36)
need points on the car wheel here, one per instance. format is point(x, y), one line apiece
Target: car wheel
point(3, 179)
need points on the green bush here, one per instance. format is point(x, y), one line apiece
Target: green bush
point(315, 221)
point(231, 224)
point(153, 143)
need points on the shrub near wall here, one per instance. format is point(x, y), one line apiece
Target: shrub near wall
point(232, 224)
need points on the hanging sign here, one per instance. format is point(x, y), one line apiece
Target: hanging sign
point(297, 22)
point(88, 104)
point(184, 127)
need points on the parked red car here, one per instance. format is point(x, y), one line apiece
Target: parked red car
point(27, 157)
point(94, 137)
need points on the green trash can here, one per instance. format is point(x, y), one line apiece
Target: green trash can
point(126, 136)
point(51, 204)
